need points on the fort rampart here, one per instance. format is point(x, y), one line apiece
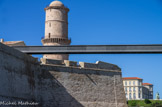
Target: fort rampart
point(54, 83)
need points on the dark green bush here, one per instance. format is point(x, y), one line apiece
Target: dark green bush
point(156, 104)
point(133, 103)
point(147, 101)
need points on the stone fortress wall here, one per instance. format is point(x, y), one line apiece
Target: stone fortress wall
point(54, 83)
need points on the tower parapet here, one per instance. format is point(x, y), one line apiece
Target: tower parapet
point(56, 29)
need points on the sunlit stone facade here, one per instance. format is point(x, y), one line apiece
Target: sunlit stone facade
point(135, 88)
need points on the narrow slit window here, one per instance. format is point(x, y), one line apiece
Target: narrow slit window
point(49, 35)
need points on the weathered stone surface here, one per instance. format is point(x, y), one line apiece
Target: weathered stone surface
point(99, 65)
point(23, 78)
point(70, 63)
point(50, 61)
point(105, 65)
point(88, 65)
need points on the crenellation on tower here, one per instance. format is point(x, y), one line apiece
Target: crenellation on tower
point(56, 29)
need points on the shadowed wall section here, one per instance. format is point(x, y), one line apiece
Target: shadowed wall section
point(64, 84)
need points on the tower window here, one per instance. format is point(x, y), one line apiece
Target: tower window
point(49, 24)
point(49, 35)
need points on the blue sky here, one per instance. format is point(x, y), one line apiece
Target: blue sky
point(95, 22)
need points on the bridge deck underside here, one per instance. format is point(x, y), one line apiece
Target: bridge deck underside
point(91, 49)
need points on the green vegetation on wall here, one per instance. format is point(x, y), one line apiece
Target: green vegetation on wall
point(145, 103)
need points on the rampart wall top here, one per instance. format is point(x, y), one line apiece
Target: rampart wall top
point(99, 65)
point(11, 51)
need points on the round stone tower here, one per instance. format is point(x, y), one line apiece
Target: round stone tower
point(56, 29)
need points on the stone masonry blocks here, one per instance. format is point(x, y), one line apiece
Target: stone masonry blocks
point(24, 78)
